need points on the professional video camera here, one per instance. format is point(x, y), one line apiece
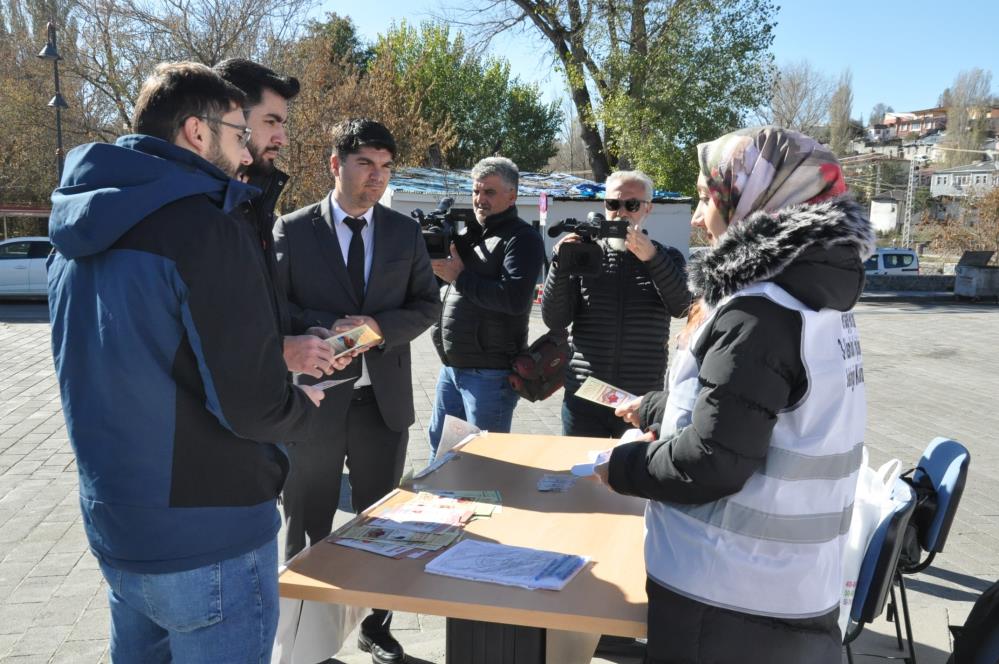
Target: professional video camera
point(438, 228)
point(585, 259)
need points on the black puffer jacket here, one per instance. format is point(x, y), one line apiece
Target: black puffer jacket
point(259, 214)
point(620, 319)
point(486, 311)
point(749, 356)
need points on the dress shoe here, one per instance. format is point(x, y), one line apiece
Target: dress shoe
point(620, 645)
point(382, 645)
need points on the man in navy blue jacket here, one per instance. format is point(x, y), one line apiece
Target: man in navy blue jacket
point(173, 384)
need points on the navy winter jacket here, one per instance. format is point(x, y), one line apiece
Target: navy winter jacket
point(168, 358)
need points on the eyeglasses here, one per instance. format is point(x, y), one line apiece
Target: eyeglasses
point(631, 205)
point(244, 131)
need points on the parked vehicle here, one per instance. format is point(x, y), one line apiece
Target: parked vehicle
point(893, 261)
point(22, 267)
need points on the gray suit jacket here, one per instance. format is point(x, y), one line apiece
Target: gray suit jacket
point(401, 295)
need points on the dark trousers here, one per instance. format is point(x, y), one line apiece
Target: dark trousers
point(685, 631)
point(374, 455)
point(585, 418)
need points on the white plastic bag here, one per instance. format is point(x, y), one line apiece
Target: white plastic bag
point(870, 505)
point(310, 632)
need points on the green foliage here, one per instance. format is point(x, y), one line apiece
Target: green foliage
point(671, 75)
point(490, 111)
point(338, 34)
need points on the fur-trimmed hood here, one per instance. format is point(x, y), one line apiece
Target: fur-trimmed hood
point(814, 251)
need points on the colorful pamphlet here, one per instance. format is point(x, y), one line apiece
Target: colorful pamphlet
point(600, 392)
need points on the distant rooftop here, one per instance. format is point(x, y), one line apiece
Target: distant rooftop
point(557, 185)
point(977, 167)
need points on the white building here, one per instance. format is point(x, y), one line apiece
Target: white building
point(886, 213)
point(563, 195)
point(961, 181)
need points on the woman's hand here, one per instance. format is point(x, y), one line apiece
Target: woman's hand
point(629, 411)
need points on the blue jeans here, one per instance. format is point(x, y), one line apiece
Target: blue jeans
point(223, 612)
point(482, 397)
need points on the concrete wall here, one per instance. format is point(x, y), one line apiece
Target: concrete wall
point(669, 223)
point(916, 282)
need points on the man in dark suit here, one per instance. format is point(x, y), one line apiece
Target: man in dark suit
point(344, 261)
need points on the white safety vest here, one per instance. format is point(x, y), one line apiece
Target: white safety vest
point(774, 548)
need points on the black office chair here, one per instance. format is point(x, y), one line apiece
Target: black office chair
point(938, 481)
point(877, 571)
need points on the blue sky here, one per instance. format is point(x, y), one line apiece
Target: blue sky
point(902, 54)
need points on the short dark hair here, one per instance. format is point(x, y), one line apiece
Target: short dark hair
point(349, 136)
point(176, 91)
point(252, 78)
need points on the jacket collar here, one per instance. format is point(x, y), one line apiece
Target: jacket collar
point(765, 244)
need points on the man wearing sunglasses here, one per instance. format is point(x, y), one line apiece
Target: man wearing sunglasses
point(619, 319)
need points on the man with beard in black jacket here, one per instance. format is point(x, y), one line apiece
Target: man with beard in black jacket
point(266, 109)
point(620, 319)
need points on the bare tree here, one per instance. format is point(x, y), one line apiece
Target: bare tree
point(970, 98)
point(878, 113)
point(122, 40)
point(799, 98)
point(647, 78)
point(840, 106)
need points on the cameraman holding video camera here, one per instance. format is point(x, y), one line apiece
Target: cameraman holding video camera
point(489, 289)
point(620, 312)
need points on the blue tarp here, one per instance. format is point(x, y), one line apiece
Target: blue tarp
point(561, 185)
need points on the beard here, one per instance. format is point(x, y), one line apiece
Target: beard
point(218, 158)
point(260, 166)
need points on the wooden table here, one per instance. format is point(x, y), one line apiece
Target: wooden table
point(607, 597)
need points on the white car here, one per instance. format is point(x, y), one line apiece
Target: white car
point(893, 261)
point(22, 267)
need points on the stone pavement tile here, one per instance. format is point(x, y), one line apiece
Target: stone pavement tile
point(6, 642)
point(40, 641)
point(16, 618)
point(27, 659)
point(94, 624)
point(57, 564)
point(60, 611)
point(80, 652)
point(931, 638)
point(31, 590)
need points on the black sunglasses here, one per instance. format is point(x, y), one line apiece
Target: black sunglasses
point(631, 205)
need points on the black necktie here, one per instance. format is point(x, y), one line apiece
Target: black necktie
point(355, 256)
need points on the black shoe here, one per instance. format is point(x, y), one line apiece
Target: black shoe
point(382, 645)
point(620, 645)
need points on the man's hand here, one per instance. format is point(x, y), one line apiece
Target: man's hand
point(629, 411)
point(308, 354)
point(448, 269)
point(356, 320)
point(571, 238)
point(315, 395)
point(639, 244)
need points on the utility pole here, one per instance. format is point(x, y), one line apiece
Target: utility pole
point(910, 195)
point(877, 184)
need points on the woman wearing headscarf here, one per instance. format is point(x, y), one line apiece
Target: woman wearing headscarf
point(751, 482)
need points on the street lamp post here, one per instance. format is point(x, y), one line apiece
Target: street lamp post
point(58, 102)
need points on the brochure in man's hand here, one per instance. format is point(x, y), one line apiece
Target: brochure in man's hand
point(602, 393)
point(361, 337)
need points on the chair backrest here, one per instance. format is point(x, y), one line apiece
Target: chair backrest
point(945, 465)
point(878, 566)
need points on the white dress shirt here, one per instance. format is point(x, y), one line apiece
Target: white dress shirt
point(344, 236)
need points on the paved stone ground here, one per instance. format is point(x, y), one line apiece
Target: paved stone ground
point(930, 369)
